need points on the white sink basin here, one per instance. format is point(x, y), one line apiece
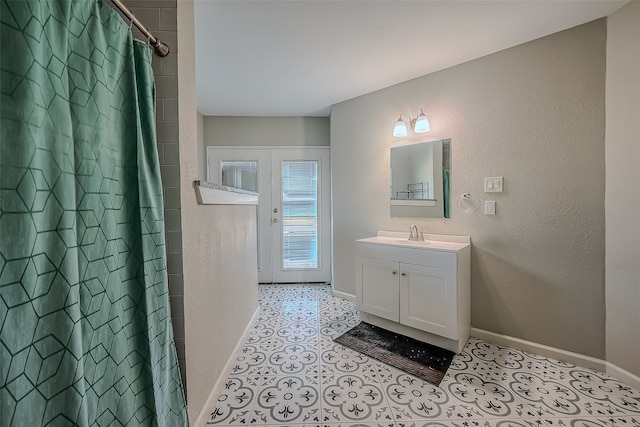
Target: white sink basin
point(402, 241)
point(431, 241)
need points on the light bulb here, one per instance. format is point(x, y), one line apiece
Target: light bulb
point(422, 123)
point(400, 128)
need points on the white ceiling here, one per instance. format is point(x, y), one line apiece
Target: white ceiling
point(297, 58)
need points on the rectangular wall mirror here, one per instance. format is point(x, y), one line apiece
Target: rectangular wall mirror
point(421, 180)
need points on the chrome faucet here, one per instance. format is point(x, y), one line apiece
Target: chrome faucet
point(413, 233)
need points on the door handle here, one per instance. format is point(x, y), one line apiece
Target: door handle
point(275, 219)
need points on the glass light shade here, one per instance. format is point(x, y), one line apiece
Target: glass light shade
point(400, 128)
point(422, 124)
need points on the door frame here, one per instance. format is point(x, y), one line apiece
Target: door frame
point(268, 258)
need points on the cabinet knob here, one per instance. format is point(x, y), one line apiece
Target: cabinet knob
point(395, 272)
point(404, 274)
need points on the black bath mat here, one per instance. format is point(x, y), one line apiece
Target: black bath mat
point(414, 357)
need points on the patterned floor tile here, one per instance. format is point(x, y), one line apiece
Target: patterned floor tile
point(546, 396)
point(300, 316)
point(460, 361)
point(351, 397)
point(270, 316)
point(338, 360)
point(471, 423)
point(289, 399)
point(260, 331)
point(488, 361)
point(306, 328)
point(547, 368)
point(248, 358)
point(592, 422)
point(600, 388)
point(412, 398)
point(295, 359)
point(506, 358)
point(333, 329)
point(486, 370)
point(368, 424)
point(234, 402)
point(267, 344)
point(290, 372)
point(490, 399)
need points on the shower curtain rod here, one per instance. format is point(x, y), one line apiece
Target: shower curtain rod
point(160, 48)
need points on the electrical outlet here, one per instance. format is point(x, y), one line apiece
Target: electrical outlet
point(490, 207)
point(493, 184)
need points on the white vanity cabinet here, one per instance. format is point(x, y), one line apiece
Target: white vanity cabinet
point(419, 289)
point(380, 295)
point(428, 299)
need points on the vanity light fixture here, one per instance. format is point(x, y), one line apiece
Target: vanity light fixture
point(419, 125)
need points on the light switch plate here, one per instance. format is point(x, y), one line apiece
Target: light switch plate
point(493, 184)
point(490, 207)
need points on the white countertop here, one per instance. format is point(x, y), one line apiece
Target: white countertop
point(441, 242)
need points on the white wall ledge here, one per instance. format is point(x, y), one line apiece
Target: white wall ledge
point(208, 193)
point(413, 202)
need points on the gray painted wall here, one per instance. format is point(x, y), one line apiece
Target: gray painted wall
point(533, 114)
point(266, 131)
point(623, 193)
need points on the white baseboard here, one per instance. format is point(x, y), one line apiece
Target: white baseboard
point(625, 376)
point(344, 295)
point(541, 349)
point(556, 353)
point(204, 413)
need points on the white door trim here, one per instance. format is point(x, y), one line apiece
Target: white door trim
point(267, 250)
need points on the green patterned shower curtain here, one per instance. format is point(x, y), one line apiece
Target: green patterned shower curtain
point(86, 337)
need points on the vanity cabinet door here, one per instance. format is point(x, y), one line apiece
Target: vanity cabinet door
point(428, 299)
point(378, 285)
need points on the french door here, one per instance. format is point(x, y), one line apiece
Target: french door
point(293, 210)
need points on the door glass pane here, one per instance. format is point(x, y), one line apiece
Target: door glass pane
point(299, 215)
point(240, 174)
